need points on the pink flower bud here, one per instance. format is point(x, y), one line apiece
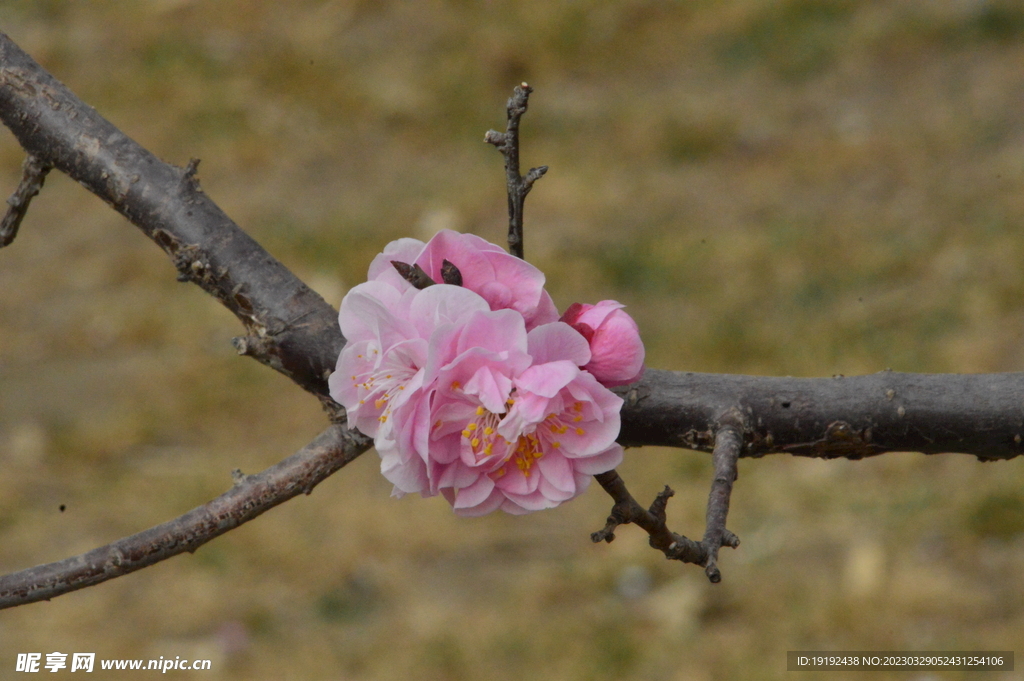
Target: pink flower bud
point(617, 353)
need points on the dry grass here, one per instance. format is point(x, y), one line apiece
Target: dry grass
point(805, 187)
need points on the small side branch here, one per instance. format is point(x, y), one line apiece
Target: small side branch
point(626, 510)
point(250, 496)
point(518, 186)
point(728, 443)
point(33, 174)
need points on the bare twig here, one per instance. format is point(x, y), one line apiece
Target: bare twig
point(727, 451)
point(652, 521)
point(33, 174)
point(518, 186)
point(250, 496)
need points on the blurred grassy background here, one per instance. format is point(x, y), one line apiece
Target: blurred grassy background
point(802, 187)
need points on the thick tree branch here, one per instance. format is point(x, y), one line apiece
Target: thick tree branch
point(518, 186)
point(290, 327)
point(850, 417)
point(251, 496)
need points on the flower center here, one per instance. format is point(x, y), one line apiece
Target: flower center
point(383, 385)
point(532, 446)
point(482, 434)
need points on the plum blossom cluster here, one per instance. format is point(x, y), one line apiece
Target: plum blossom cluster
point(477, 390)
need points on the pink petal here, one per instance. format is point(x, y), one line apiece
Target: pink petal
point(491, 503)
point(475, 494)
point(555, 495)
point(499, 331)
point(547, 379)
point(455, 475)
point(403, 250)
point(511, 507)
point(534, 501)
point(594, 315)
point(406, 476)
point(462, 252)
point(557, 471)
point(491, 387)
point(599, 463)
point(552, 342)
point(545, 314)
point(443, 304)
point(515, 482)
point(366, 313)
point(618, 352)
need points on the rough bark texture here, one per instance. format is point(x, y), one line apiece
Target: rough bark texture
point(843, 416)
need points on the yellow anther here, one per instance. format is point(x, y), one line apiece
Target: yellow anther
point(488, 448)
point(382, 418)
point(471, 426)
point(580, 431)
point(466, 433)
point(556, 444)
point(475, 442)
point(577, 418)
point(488, 430)
point(479, 411)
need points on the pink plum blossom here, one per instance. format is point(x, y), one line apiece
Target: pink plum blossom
point(380, 374)
point(476, 392)
point(503, 280)
point(520, 437)
point(617, 353)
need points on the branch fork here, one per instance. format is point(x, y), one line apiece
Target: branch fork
point(675, 546)
point(518, 185)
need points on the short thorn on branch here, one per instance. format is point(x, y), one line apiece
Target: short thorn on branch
point(518, 186)
point(33, 174)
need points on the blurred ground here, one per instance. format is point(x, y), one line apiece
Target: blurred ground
point(803, 187)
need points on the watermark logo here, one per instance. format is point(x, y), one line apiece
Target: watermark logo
point(86, 662)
